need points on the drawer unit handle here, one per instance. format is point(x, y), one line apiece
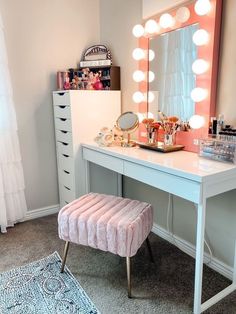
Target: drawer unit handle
point(67, 188)
point(66, 202)
point(67, 172)
point(61, 94)
point(62, 131)
point(65, 155)
point(63, 143)
point(63, 119)
point(62, 107)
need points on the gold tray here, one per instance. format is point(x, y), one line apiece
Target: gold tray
point(160, 147)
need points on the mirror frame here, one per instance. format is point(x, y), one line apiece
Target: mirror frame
point(210, 52)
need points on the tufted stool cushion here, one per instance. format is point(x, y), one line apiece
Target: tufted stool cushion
point(106, 222)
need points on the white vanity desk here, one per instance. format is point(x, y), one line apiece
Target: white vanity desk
point(180, 173)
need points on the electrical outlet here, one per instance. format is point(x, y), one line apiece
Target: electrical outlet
point(196, 141)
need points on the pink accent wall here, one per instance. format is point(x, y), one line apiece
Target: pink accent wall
point(210, 52)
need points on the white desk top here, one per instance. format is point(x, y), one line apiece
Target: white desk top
point(181, 163)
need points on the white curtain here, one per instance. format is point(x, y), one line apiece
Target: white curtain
point(174, 76)
point(12, 198)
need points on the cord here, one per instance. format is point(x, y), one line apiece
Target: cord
point(170, 210)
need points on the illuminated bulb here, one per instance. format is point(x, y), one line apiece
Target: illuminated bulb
point(138, 76)
point(198, 94)
point(182, 14)
point(150, 115)
point(138, 97)
point(140, 117)
point(200, 66)
point(151, 96)
point(151, 27)
point(151, 76)
point(201, 37)
point(138, 54)
point(166, 20)
point(202, 7)
point(196, 121)
point(151, 55)
point(138, 30)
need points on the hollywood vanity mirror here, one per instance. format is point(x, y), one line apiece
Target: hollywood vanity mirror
point(177, 58)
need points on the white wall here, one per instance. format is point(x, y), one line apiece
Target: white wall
point(152, 7)
point(43, 37)
point(221, 214)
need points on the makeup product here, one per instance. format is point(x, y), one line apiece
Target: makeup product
point(220, 124)
point(214, 125)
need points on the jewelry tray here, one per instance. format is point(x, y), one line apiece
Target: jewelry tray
point(160, 147)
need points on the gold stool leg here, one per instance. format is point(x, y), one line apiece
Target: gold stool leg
point(150, 250)
point(66, 248)
point(128, 268)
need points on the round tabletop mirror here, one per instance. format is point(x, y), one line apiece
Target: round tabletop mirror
point(128, 122)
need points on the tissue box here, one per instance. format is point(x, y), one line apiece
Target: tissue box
point(221, 148)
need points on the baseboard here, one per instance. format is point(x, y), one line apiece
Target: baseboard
point(190, 249)
point(41, 212)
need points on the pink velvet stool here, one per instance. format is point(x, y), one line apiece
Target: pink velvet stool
point(106, 222)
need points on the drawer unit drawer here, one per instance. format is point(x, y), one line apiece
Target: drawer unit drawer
point(66, 194)
point(63, 124)
point(64, 136)
point(66, 179)
point(66, 162)
point(62, 111)
point(65, 149)
point(61, 98)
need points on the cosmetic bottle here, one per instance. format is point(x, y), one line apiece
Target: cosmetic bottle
point(214, 125)
point(220, 123)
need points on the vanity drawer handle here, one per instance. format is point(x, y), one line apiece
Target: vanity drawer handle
point(61, 94)
point(64, 143)
point(66, 202)
point(62, 131)
point(65, 155)
point(67, 172)
point(63, 119)
point(67, 188)
point(62, 106)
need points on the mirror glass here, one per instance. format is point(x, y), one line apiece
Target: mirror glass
point(174, 79)
point(128, 121)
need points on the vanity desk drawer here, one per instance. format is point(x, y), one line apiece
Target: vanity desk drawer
point(63, 124)
point(64, 149)
point(61, 98)
point(66, 194)
point(103, 160)
point(64, 136)
point(66, 178)
point(62, 111)
point(66, 162)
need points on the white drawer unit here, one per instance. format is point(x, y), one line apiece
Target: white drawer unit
point(78, 117)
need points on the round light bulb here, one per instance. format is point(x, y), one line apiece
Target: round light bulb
point(151, 27)
point(151, 55)
point(196, 122)
point(150, 76)
point(198, 94)
point(201, 37)
point(140, 117)
point(138, 30)
point(202, 7)
point(138, 97)
point(200, 66)
point(166, 20)
point(182, 14)
point(138, 76)
point(138, 54)
point(151, 96)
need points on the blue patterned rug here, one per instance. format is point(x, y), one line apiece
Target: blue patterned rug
point(40, 288)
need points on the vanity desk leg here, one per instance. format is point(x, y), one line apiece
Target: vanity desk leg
point(87, 177)
point(201, 217)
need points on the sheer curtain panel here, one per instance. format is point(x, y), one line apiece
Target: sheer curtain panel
point(12, 197)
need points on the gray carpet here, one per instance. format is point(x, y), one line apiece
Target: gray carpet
point(163, 287)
